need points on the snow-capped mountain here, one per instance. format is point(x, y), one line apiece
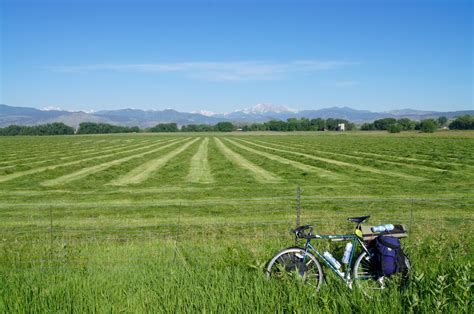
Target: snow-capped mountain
point(266, 108)
point(260, 113)
point(206, 113)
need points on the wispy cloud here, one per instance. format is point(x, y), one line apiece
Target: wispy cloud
point(219, 71)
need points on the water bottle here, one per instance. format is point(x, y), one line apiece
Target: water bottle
point(377, 229)
point(332, 260)
point(389, 227)
point(347, 253)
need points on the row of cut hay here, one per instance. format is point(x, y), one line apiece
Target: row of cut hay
point(348, 156)
point(45, 146)
point(65, 153)
point(260, 175)
point(18, 174)
point(307, 168)
point(416, 163)
point(422, 149)
point(143, 172)
point(103, 166)
point(199, 171)
point(340, 163)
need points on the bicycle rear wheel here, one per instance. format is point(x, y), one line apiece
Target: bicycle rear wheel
point(296, 263)
point(370, 279)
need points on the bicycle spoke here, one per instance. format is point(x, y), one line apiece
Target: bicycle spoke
point(293, 264)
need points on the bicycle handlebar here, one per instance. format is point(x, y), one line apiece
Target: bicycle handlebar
point(300, 232)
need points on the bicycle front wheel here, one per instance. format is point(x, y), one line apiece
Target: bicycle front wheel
point(296, 263)
point(369, 277)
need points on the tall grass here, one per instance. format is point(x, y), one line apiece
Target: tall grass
point(160, 276)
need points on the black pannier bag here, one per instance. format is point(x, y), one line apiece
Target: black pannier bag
point(390, 255)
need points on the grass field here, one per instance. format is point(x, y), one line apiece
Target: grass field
point(185, 222)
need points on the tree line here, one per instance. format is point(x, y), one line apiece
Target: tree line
point(291, 124)
point(173, 127)
point(465, 122)
point(391, 125)
point(104, 128)
point(303, 124)
point(56, 128)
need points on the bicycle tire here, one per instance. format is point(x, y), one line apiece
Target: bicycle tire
point(369, 278)
point(289, 261)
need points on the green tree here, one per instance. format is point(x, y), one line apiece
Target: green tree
point(277, 125)
point(164, 127)
point(406, 124)
point(103, 128)
point(367, 127)
point(394, 128)
point(224, 127)
point(428, 125)
point(305, 124)
point(318, 124)
point(258, 127)
point(197, 128)
point(331, 124)
point(383, 124)
point(293, 124)
point(56, 128)
point(465, 122)
point(11, 130)
point(442, 121)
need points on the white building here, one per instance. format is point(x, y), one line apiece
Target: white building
point(341, 127)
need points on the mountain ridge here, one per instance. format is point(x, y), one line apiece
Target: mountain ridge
point(259, 113)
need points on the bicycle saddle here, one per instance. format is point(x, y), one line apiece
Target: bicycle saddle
point(358, 220)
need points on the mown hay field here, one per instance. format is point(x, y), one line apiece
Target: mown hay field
point(185, 222)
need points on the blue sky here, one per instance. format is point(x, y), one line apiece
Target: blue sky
point(227, 55)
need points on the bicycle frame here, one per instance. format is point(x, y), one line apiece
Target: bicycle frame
point(345, 276)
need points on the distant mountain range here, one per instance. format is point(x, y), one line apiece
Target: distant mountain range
point(259, 113)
